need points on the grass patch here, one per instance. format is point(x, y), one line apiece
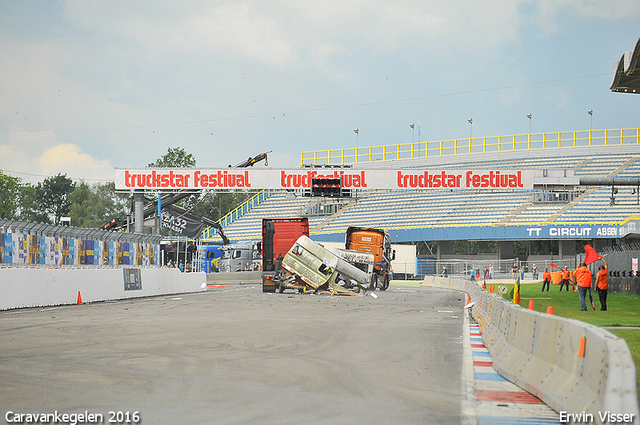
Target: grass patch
point(622, 310)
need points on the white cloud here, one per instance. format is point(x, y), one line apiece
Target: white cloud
point(280, 33)
point(33, 157)
point(69, 159)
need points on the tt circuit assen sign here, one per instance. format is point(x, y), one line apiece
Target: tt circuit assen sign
point(234, 178)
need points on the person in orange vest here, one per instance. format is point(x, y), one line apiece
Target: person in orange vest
point(546, 279)
point(601, 284)
point(585, 280)
point(566, 276)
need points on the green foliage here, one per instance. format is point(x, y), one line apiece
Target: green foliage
point(546, 247)
point(216, 205)
point(474, 247)
point(622, 309)
point(9, 196)
point(31, 206)
point(93, 206)
point(176, 157)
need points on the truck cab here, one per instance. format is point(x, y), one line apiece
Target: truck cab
point(278, 236)
point(378, 243)
point(239, 256)
point(208, 258)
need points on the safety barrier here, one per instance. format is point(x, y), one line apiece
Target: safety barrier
point(572, 366)
point(40, 287)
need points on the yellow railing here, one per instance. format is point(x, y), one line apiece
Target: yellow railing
point(559, 139)
point(210, 233)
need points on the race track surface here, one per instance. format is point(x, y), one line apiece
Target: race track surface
point(235, 355)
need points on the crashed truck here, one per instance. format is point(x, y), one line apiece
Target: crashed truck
point(311, 267)
point(377, 244)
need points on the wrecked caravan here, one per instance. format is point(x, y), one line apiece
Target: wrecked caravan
point(313, 267)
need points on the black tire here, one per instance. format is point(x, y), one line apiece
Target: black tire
point(374, 282)
point(385, 283)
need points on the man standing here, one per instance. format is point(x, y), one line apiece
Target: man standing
point(585, 280)
point(566, 275)
point(546, 279)
point(601, 284)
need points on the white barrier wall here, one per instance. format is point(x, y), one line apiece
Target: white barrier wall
point(541, 354)
point(38, 287)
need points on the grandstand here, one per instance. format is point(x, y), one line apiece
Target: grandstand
point(486, 214)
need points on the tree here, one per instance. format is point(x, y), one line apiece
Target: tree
point(9, 196)
point(217, 204)
point(30, 205)
point(93, 206)
point(176, 157)
point(53, 196)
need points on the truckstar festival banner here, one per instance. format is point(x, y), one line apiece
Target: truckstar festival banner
point(235, 178)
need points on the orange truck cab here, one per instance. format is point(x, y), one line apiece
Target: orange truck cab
point(378, 243)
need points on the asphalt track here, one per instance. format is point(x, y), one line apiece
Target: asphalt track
point(234, 355)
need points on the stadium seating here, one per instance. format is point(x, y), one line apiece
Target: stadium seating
point(419, 208)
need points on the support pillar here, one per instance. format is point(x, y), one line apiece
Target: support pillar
point(138, 211)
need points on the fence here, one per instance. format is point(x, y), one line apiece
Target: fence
point(557, 139)
point(500, 269)
point(28, 244)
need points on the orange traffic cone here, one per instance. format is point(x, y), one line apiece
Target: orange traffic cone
point(531, 304)
point(550, 310)
point(468, 299)
point(484, 285)
point(79, 299)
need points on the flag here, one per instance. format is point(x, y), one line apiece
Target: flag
point(591, 299)
point(516, 291)
point(591, 256)
point(553, 266)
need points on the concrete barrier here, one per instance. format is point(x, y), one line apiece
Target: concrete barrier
point(238, 278)
point(40, 287)
point(542, 354)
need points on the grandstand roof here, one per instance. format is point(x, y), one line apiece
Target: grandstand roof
point(626, 72)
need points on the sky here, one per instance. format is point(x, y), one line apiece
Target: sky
point(87, 86)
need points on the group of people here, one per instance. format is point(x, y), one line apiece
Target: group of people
point(584, 282)
point(476, 274)
point(181, 266)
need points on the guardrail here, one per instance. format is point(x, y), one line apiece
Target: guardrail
point(572, 366)
point(513, 142)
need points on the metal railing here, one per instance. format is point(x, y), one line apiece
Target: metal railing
point(231, 216)
point(559, 139)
